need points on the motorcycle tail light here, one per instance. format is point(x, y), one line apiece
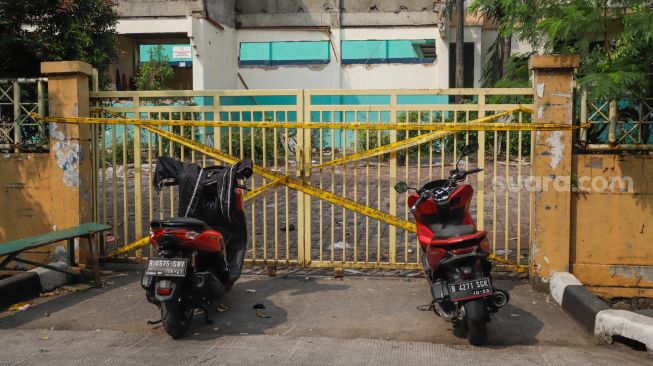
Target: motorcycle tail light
point(191, 235)
point(466, 273)
point(163, 291)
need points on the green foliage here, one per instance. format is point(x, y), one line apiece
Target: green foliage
point(120, 148)
point(155, 74)
point(614, 40)
point(363, 138)
point(53, 30)
point(258, 136)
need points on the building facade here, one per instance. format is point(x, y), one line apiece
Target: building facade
point(316, 44)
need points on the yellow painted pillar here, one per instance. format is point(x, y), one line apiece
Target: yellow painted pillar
point(70, 147)
point(553, 82)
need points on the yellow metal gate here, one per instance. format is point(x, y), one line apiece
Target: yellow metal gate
point(291, 227)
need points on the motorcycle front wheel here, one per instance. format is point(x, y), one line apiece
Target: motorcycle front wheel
point(175, 319)
point(475, 320)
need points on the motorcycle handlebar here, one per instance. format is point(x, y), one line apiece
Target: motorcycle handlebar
point(421, 199)
point(473, 170)
point(460, 175)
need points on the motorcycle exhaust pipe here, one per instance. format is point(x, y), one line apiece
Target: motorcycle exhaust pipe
point(500, 298)
point(206, 284)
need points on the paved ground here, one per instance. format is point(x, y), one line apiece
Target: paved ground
point(357, 320)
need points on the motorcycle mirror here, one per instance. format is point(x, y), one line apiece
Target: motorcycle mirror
point(401, 187)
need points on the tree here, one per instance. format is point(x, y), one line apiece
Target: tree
point(613, 38)
point(156, 73)
point(53, 30)
point(460, 43)
point(499, 53)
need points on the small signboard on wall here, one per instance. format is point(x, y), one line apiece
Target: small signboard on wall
point(179, 55)
point(181, 52)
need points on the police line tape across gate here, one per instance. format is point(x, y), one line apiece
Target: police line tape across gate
point(276, 178)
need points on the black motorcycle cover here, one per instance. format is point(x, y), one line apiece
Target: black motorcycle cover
point(209, 195)
point(214, 185)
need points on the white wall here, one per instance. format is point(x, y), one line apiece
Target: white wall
point(153, 25)
point(214, 50)
point(288, 77)
point(397, 76)
point(337, 76)
point(215, 64)
point(215, 58)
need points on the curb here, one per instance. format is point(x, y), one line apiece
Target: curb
point(595, 316)
point(28, 285)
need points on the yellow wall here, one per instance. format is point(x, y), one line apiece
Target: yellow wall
point(612, 231)
point(25, 198)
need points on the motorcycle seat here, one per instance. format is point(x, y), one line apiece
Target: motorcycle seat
point(180, 222)
point(451, 231)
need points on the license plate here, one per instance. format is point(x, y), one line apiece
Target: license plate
point(470, 289)
point(166, 267)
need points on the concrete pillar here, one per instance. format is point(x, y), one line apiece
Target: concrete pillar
point(70, 147)
point(553, 81)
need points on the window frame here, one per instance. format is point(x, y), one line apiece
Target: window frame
point(287, 62)
point(386, 60)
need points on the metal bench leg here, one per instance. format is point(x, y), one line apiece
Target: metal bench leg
point(70, 257)
point(94, 262)
point(7, 260)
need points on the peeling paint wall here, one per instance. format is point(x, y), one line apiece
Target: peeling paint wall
point(159, 8)
point(334, 13)
point(553, 84)
point(612, 232)
point(557, 148)
point(25, 198)
point(68, 155)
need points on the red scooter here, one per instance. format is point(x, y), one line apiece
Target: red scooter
point(198, 255)
point(454, 254)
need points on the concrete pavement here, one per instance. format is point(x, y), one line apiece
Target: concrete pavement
point(85, 348)
point(315, 320)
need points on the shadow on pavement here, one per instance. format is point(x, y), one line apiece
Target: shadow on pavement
point(302, 306)
point(122, 307)
point(242, 318)
point(46, 307)
point(513, 326)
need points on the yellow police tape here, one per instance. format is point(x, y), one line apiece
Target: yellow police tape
point(509, 265)
point(278, 178)
point(257, 191)
point(292, 183)
point(145, 241)
point(142, 242)
point(410, 142)
point(475, 125)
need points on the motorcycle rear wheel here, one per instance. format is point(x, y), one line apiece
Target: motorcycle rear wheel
point(175, 319)
point(475, 320)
